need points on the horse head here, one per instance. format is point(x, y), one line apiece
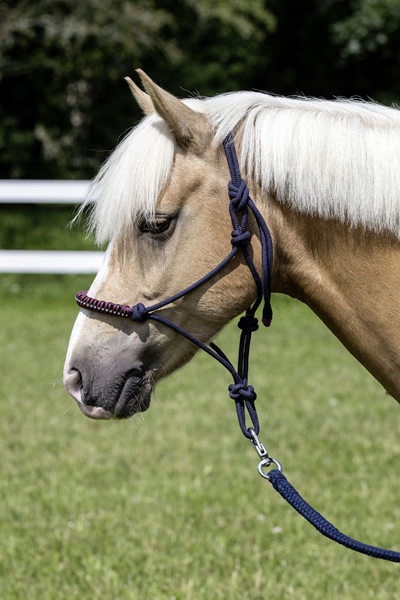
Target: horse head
point(163, 206)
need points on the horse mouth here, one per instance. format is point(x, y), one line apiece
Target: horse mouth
point(121, 400)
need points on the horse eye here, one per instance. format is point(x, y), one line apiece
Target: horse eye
point(155, 226)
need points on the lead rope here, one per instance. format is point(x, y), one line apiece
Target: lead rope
point(276, 477)
point(240, 391)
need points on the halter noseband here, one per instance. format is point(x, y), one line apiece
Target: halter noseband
point(239, 205)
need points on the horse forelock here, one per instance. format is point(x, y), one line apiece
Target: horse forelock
point(131, 178)
point(336, 159)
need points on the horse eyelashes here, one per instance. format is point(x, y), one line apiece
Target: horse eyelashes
point(155, 226)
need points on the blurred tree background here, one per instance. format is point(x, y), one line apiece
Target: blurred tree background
point(64, 101)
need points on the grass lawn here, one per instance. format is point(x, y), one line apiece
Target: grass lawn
point(169, 505)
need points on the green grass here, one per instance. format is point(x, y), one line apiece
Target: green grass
point(169, 504)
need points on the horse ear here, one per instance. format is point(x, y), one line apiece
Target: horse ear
point(188, 126)
point(144, 100)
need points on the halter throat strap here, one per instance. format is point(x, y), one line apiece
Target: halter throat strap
point(240, 203)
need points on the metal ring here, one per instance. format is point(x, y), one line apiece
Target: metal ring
point(266, 462)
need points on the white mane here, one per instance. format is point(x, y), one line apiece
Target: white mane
point(331, 158)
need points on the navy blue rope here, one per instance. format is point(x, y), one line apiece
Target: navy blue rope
point(278, 480)
point(241, 201)
point(287, 491)
point(140, 314)
point(211, 349)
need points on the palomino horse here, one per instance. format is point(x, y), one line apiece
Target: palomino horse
point(325, 177)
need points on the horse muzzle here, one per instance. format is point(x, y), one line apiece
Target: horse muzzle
point(112, 395)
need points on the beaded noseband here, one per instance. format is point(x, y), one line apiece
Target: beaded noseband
point(240, 391)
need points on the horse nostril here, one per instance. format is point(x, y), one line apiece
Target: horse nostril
point(73, 383)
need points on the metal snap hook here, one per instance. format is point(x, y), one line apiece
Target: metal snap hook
point(261, 450)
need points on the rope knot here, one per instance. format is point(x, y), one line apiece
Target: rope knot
point(239, 195)
point(242, 391)
point(248, 323)
point(139, 313)
point(240, 238)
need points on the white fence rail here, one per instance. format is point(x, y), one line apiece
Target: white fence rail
point(35, 191)
point(46, 261)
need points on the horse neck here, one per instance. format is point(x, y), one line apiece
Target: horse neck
point(350, 278)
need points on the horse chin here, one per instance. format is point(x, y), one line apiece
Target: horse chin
point(95, 412)
point(131, 396)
